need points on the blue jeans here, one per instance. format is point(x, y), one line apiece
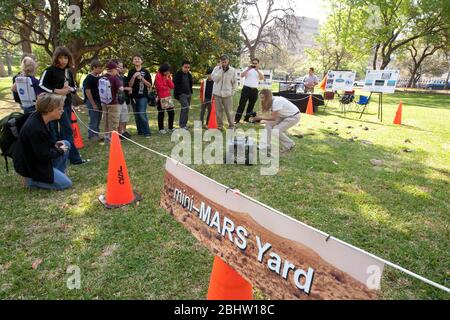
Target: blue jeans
point(141, 116)
point(61, 181)
point(65, 131)
point(95, 117)
point(185, 101)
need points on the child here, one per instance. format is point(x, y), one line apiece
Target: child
point(206, 89)
point(163, 85)
point(26, 86)
point(59, 79)
point(123, 100)
point(92, 100)
point(141, 81)
point(109, 98)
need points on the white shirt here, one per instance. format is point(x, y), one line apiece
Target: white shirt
point(284, 107)
point(310, 80)
point(252, 78)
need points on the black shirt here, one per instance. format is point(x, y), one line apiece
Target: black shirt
point(183, 83)
point(139, 88)
point(54, 78)
point(34, 150)
point(209, 89)
point(91, 82)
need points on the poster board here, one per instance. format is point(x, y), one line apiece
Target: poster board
point(383, 81)
point(340, 80)
point(264, 84)
point(283, 257)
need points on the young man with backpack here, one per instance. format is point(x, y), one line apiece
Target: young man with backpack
point(141, 81)
point(109, 88)
point(92, 100)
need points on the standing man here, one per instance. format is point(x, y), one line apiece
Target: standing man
point(249, 92)
point(183, 92)
point(225, 85)
point(310, 81)
point(140, 80)
point(92, 100)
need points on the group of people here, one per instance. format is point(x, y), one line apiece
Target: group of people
point(46, 141)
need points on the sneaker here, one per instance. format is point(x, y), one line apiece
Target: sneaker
point(126, 135)
point(162, 131)
point(185, 128)
point(83, 161)
point(147, 136)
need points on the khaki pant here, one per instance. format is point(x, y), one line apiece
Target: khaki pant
point(224, 104)
point(282, 125)
point(111, 114)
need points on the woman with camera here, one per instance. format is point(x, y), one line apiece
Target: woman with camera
point(282, 115)
point(36, 158)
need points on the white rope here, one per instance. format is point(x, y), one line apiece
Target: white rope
point(393, 265)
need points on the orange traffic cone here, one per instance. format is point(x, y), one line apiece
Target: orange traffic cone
point(323, 83)
point(398, 115)
point(309, 107)
point(212, 123)
point(227, 284)
point(118, 187)
point(77, 139)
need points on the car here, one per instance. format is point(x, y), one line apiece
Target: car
point(437, 85)
point(359, 83)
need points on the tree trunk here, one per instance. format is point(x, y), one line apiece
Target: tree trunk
point(375, 57)
point(9, 64)
point(2, 69)
point(413, 75)
point(448, 78)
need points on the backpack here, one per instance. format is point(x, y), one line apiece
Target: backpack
point(26, 92)
point(104, 89)
point(9, 133)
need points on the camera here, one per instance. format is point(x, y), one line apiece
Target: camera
point(252, 115)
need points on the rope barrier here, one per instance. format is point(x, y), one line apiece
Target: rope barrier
point(393, 265)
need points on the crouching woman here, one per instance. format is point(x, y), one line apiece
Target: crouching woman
point(36, 158)
point(282, 115)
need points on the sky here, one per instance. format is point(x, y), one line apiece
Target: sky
point(310, 8)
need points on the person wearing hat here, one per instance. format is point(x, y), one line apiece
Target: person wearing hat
point(225, 86)
point(111, 111)
point(206, 89)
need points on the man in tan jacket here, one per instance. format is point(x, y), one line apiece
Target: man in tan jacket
point(225, 86)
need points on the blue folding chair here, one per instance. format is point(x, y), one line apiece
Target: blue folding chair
point(363, 101)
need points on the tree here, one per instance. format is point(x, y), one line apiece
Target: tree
point(159, 29)
point(341, 43)
point(400, 22)
point(270, 24)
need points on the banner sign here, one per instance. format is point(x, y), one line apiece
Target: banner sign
point(383, 81)
point(284, 258)
point(340, 80)
point(264, 84)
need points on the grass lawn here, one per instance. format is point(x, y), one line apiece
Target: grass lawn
point(399, 211)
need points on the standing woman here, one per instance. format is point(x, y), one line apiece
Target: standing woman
point(163, 85)
point(282, 115)
point(58, 79)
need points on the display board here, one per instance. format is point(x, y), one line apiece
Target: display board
point(383, 81)
point(340, 80)
point(283, 257)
